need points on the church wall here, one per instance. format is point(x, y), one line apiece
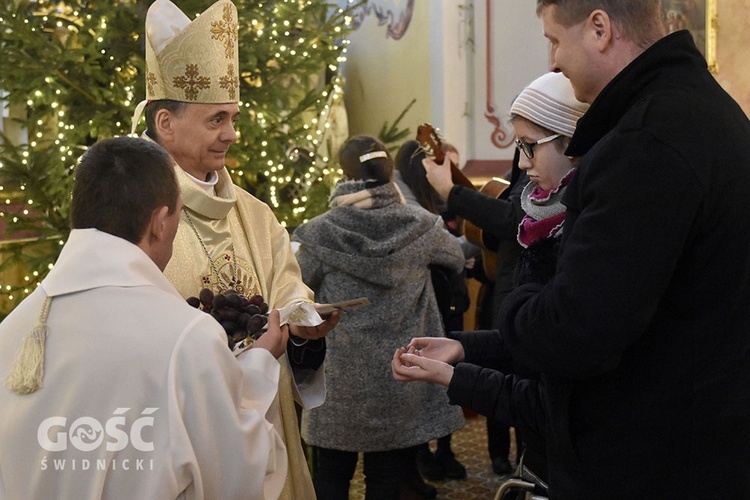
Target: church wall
point(465, 61)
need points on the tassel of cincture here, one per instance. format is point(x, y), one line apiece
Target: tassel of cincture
point(27, 373)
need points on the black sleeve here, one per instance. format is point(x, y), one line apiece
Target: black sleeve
point(309, 355)
point(485, 348)
point(514, 401)
point(498, 216)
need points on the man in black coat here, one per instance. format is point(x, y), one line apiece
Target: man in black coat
point(643, 335)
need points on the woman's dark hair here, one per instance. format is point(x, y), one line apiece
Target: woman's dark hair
point(379, 168)
point(409, 163)
point(119, 183)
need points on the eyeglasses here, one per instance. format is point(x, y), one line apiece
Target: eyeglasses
point(528, 147)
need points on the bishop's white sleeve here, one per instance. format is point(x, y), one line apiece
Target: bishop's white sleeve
point(309, 386)
point(223, 445)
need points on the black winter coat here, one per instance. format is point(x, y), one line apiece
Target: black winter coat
point(643, 336)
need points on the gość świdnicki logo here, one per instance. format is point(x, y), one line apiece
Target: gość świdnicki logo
point(88, 434)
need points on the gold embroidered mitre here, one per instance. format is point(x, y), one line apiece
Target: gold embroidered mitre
point(192, 61)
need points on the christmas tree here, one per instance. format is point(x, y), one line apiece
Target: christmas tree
point(75, 70)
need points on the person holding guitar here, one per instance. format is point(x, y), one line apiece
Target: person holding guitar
point(544, 117)
point(451, 294)
point(491, 216)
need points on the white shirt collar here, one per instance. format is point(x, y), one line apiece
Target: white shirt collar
point(209, 186)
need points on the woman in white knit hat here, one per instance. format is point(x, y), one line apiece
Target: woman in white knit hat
point(544, 116)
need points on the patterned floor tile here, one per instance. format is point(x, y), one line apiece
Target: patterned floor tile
point(470, 446)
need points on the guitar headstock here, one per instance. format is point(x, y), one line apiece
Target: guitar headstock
point(431, 142)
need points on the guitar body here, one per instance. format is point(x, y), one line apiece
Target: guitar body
point(431, 143)
point(494, 188)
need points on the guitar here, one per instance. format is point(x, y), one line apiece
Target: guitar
point(432, 144)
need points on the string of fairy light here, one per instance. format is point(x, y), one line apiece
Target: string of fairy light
point(316, 129)
point(316, 136)
point(71, 22)
point(277, 172)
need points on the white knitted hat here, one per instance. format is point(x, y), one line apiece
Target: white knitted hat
point(549, 101)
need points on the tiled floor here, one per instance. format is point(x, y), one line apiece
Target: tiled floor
point(470, 446)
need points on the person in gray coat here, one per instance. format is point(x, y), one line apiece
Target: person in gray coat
point(371, 244)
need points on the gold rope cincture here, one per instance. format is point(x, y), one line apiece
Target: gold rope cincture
point(27, 373)
point(235, 285)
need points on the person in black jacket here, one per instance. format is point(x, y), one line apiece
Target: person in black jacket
point(498, 218)
point(642, 336)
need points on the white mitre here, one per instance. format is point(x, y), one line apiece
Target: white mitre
point(191, 61)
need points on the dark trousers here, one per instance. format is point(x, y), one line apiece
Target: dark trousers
point(498, 440)
point(498, 434)
point(443, 446)
point(385, 472)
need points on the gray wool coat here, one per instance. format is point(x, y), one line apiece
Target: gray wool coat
point(383, 254)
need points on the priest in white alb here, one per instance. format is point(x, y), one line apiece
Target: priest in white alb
point(113, 386)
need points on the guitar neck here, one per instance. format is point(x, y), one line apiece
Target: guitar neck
point(458, 177)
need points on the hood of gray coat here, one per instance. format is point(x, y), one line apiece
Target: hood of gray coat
point(383, 246)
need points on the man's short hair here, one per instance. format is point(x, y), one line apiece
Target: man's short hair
point(153, 107)
point(119, 183)
point(642, 21)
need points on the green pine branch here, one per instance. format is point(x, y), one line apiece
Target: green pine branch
point(75, 70)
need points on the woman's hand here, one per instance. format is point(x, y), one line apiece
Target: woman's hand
point(439, 348)
point(408, 365)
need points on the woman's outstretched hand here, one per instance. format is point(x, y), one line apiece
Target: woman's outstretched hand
point(410, 364)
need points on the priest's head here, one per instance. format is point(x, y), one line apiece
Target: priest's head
point(192, 84)
point(127, 187)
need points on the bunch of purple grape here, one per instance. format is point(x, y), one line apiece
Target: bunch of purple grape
point(239, 316)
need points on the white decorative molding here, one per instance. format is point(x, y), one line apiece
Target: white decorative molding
point(502, 134)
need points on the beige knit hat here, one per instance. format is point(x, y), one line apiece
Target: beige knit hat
point(191, 61)
point(549, 101)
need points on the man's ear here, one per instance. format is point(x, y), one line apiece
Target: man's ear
point(164, 124)
point(156, 228)
point(154, 235)
point(157, 224)
point(600, 27)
